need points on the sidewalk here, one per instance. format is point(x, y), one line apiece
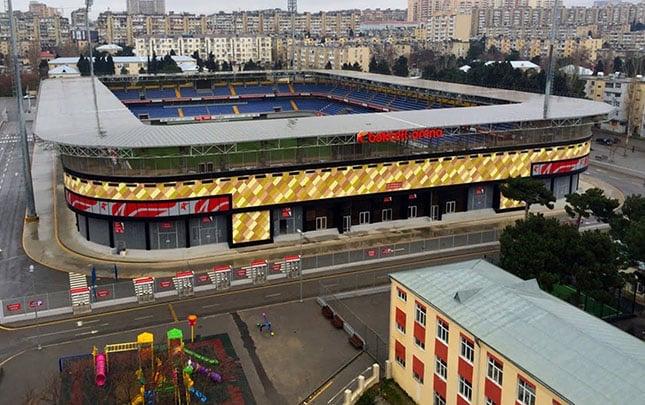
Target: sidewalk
point(55, 243)
point(615, 159)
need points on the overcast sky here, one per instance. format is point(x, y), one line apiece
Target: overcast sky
point(210, 6)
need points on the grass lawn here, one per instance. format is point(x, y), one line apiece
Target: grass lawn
point(388, 390)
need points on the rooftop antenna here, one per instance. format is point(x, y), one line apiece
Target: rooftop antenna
point(31, 215)
point(292, 8)
point(88, 4)
point(551, 67)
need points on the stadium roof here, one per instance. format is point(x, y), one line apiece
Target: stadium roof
point(73, 122)
point(580, 357)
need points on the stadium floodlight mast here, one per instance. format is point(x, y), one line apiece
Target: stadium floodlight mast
point(30, 215)
point(292, 8)
point(551, 67)
point(88, 4)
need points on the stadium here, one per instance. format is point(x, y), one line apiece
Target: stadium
point(244, 158)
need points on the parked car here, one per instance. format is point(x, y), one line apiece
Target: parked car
point(606, 141)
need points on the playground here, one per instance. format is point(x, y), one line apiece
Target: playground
point(146, 372)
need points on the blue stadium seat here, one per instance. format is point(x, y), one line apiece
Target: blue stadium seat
point(220, 109)
point(194, 111)
point(221, 91)
point(189, 92)
point(254, 89)
point(160, 93)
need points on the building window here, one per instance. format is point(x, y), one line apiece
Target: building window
point(400, 320)
point(490, 401)
point(438, 399)
point(465, 389)
point(441, 368)
point(442, 330)
point(403, 296)
point(420, 336)
point(399, 353)
point(417, 369)
point(420, 315)
point(495, 372)
point(525, 392)
point(451, 206)
point(467, 349)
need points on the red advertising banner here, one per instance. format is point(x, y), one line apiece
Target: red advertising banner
point(561, 166)
point(14, 307)
point(148, 209)
point(398, 136)
point(103, 293)
point(165, 283)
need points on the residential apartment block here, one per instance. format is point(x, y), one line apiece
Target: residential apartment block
point(626, 95)
point(317, 56)
point(539, 46)
point(442, 27)
point(146, 6)
point(45, 31)
point(471, 333)
point(236, 49)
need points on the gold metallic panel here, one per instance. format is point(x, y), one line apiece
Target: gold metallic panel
point(282, 188)
point(251, 226)
point(507, 203)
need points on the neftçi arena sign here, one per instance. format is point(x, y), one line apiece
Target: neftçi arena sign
point(398, 136)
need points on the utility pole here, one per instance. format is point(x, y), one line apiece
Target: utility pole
point(292, 7)
point(31, 215)
point(551, 67)
point(88, 4)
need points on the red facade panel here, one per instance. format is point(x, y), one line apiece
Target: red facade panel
point(439, 386)
point(417, 366)
point(419, 332)
point(461, 400)
point(399, 349)
point(493, 391)
point(465, 369)
point(441, 350)
point(400, 318)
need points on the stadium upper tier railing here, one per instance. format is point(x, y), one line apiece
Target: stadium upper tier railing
point(191, 160)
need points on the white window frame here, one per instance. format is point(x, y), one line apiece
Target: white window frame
point(438, 400)
point(364, 217)
point(494, 372)
point(416, 377)
point(421, 345)
point(403, 296)
point(465, 389)
point(412, 211)
point(386, 214)
point(399, 361)
point(443, 331)
point(420, 314)
point(490, 401)
point(451, 207)
point(467, 350)
point(525, 392)
point(440, 368)
point(321, 223)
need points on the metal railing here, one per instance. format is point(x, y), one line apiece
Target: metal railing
point(338, 398)
point(107, 293)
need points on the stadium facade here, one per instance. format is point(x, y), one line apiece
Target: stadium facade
point(244, 158)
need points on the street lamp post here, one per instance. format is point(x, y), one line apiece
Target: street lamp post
point(302, 236)
point(36, 304)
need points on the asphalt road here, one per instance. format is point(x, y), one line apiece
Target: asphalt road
point(627, 184)
point(14, 278)
point(52, 333)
